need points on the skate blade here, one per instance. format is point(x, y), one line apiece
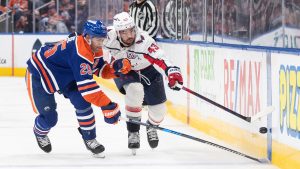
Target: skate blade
point(100, 155)
point(133, 151)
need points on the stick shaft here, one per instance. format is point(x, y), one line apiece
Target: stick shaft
point(192, 138)
point(248, 119)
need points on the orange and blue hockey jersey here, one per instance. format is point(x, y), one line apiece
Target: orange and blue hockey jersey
point(68, 62)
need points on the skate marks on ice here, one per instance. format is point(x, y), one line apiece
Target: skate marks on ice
point(172, 152)
point(163, 158)
point(18, 147)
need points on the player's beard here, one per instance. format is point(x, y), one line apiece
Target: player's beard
point(129, 41)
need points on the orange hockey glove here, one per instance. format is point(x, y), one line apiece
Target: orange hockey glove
point(122, 65)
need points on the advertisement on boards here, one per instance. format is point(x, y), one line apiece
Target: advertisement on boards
point(233, 78)
point(286, 98)
point(6, 51)
point(205, 78)
point(245, 81)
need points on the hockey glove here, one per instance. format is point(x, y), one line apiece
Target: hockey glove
point(174, 77)
point(122, 65)
point(111, 113)
point(107, 72)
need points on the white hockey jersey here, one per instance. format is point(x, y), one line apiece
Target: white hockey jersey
point(143, 53)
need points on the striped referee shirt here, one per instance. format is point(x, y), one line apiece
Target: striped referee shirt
point(145, 16)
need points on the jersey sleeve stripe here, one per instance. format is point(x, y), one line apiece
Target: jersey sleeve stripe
point(93, 85)
point(86, 81)
point(90, 91)
point(95, 89)
point(158, 62)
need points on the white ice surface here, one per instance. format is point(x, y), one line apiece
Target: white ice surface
point(18, 147)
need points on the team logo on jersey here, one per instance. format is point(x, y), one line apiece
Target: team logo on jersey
point(141, 16)
point(131, 55)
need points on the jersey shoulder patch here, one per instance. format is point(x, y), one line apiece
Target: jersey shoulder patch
point(83, 49)
point(140, 40)
point(143, 42)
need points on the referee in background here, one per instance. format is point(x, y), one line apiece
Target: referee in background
point(145, 16)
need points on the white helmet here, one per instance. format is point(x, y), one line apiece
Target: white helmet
point(123, 21)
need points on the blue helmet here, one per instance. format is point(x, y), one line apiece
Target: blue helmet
point(94, 28)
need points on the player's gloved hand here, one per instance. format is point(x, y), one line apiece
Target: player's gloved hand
point(174, 77)
point(107, 72)
point(111, 113)
point(121, 65)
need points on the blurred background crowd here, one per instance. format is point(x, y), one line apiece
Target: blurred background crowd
point(199, 20)
point(44, 16)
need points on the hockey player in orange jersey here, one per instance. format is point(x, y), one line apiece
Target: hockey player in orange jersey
point(67, 67)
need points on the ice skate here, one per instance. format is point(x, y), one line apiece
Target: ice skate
point(133, 141)
point(44, 143)
point(152, 136)
point(96, 148)
point(92, 145)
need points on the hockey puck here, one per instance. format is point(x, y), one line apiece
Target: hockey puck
point(263, 130)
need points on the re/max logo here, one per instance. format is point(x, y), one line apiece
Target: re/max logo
point(242, 84)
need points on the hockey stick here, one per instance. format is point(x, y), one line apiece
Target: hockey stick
point(194, 138)
point(248, 119)
point(261, 114)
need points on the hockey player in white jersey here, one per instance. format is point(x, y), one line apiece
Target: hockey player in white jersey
point(143, 84)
